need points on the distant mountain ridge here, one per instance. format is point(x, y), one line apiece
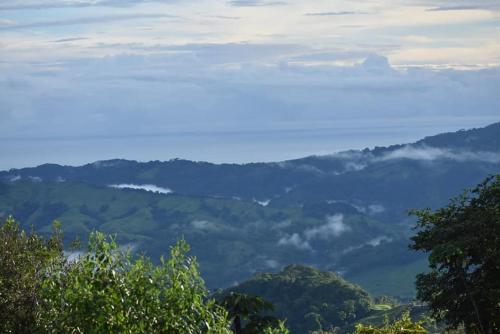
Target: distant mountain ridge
point(436, 167)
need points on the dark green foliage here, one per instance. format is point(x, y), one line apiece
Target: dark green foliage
point(24, 259)
point(308, 298)
point(245, 312)
point(463, 242)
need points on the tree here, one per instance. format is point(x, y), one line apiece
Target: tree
point(247, 308)
point(24, 259)
point(107, 291)
point(404, 325)
point(463, 242)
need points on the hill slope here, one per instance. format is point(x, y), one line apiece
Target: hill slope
point(224, 233)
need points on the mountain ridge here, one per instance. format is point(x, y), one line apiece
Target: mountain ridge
point(462, 135)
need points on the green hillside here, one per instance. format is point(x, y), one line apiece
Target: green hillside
point(224, 233)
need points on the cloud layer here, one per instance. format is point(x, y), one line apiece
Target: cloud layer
point(288, 78)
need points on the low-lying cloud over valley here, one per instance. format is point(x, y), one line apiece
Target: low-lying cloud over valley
point(333, 228)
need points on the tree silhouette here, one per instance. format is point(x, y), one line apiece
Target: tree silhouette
point(463, 242)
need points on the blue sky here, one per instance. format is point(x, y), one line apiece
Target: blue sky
point(239, 81)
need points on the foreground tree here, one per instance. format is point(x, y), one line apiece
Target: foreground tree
point(463, 242)
point(105, 291)
point(24, 259)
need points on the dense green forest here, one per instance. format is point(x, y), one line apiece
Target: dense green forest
point(106, 289)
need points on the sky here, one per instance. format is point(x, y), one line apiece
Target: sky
point(239, 81)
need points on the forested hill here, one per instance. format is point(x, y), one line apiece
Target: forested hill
point(308, 298)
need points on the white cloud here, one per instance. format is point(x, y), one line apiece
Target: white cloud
point(83, 21)
point(145, 187)
point(377, 241)
point(294, 240)
point(273, 264)
point(359, 208)
point(457, 4)
point(255, 3)
point(15, 178)
point(426, 153)
point(281, 225)
point(48, 4)
point(353, 166)
point(375, 209)
point(204, 225)
point(334, 227)
point(262, 202)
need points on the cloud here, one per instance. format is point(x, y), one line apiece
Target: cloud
point(226, 17)
point(334, 13)
point(352, 166)
point(444, 5)
point(294, 240)
point(425, 153)
point(334, 227)
point(145, 187)
point(378, 240)
point(84, 21)
point(14, 178)
point(282, 225)
point(452, 8)
point(48, 4)
point(204, 225)
point(71, 39)
point(273, 264)
point(262, 202)
point(374, 209)
point(375, 242)
point(7, 22)
point(255, 3)
point(241, 101)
